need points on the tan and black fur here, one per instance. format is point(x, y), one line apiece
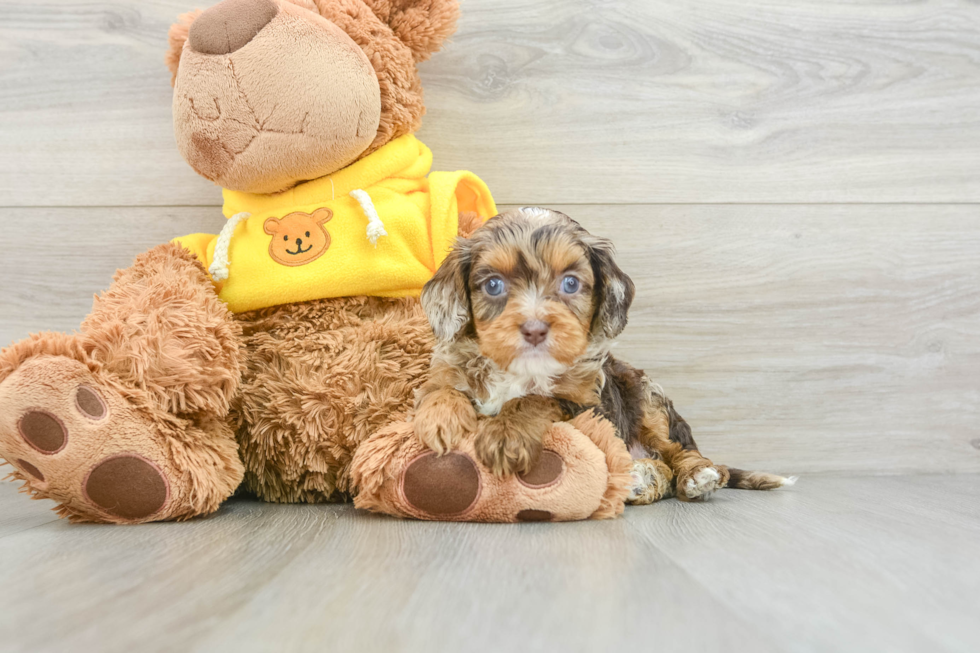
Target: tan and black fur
point(525, 312)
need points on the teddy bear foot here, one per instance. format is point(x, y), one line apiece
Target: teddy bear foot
point(582, 473)
point(84, 442)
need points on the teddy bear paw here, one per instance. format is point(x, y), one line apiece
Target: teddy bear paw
point(81, 443)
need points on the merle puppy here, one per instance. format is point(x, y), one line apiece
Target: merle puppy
point(525, 312)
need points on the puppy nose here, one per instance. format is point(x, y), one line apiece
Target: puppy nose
point(229, 25)
point(299, 241)
point(534, 331)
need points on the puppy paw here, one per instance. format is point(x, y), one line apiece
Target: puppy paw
point(652, 481)
point(443, 419)
point(507, 448)
point(699, 483)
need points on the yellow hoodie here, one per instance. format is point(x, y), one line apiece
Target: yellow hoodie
point(381, 226)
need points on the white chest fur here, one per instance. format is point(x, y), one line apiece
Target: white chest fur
point(528, 375)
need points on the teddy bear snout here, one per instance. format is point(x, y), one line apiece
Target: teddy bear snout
point(230, 24)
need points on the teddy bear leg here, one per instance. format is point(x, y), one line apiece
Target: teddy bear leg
point(161, 328)
point(114, 423)
point(583, 472)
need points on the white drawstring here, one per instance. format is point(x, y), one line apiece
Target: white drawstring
point(219, 263)
point(375, 228)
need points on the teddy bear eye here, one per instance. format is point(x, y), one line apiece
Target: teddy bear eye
point(286, 238)
point(307, 234)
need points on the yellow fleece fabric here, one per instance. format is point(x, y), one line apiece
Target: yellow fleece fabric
point(274, 259)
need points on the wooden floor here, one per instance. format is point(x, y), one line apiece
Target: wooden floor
point(834, 564)
point(795, 189)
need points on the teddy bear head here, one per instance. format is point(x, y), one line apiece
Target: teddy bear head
point(270, 93)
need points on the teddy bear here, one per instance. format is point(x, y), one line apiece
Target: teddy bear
point(283, 354)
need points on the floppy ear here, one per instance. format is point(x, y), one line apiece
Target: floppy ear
point(176, 37)
point(422, 25)
point(613, 289)
point(445, 298)
point(271, 226)
point(322, 215)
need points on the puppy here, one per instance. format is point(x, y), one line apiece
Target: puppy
point(525, 312)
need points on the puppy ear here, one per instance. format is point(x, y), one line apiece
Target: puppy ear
point(271, 226)
point(176, 38)
point(445, 298)
point(613, 288)
point(422, 25)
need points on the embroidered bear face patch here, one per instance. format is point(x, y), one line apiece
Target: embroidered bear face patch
point(298, 238)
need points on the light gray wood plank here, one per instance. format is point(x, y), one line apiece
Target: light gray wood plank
point(425, 587)
point(85, 114)
point(261, 576)
point(17, 512)
point(656, 101)
point(795, 338)
point(885, 564)
point(832, 564)
point(59, 257)
point(555, 101)
point(810, 338)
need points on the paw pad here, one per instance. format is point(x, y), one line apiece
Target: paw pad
point(43, 431)
point(127, 486)
point(89, 403)
point(30, 469)
point(547, 471)
point(441, 485)
point(534, 515)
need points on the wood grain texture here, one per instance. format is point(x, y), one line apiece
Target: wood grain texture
point(567, 101)
point(18, 512)
point(839, 563)
point(798, 339)
point(832, 564)
point(810, 338)
point(59, 257)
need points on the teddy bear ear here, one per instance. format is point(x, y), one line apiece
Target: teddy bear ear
point(271, 226)
point(176, 38)
point(322, 215)
point(422, 25)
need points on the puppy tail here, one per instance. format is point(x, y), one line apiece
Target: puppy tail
point(743, 480)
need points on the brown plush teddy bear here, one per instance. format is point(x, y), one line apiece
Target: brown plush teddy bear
point(271, 352)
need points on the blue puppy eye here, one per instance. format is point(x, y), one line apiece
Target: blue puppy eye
point(493, 287)
point(570, 285)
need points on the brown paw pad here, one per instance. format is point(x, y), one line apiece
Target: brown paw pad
point(127, 486)
point(547, 471)
point(43, 431)
point(30, 469)
point(441, 485)
point(534, 515)
point(89, 403)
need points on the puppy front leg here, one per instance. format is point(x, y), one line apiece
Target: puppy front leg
point(444, 416)
point(511, 441)
point(666, 433)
